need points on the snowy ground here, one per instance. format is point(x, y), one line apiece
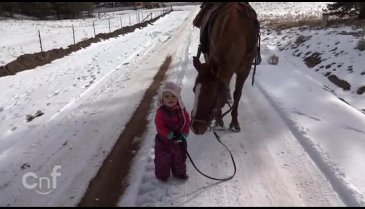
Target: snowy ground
point(20, 37)
point(299, 146)
point(288, 10)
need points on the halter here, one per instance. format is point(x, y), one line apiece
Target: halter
point(206, 123)
point(193, 120)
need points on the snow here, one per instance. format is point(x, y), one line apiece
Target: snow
point(22, 35)
point(292, 10)
point(300, 145)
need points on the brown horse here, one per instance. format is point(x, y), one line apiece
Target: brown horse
point(232, 42)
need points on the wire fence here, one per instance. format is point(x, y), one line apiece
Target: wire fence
point(26, 36)
point(106, 23)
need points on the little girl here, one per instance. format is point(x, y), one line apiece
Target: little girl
point(172, 124)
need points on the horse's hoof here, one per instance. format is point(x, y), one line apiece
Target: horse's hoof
point(234, 128)
point(219, 127)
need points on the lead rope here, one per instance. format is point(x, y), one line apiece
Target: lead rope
point(218, 139)
point(230, 153)
point(213, 178)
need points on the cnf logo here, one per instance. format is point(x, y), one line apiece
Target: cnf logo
point(42, 185)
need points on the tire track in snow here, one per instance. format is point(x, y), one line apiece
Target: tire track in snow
point(143, 188)
point(149, 191)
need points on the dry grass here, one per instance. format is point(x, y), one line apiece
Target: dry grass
point(282, 24)
point(112, 178)
point(291, 22)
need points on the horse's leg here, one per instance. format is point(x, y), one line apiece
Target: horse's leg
point(219, 124)
point(222, 97)
point(240, 80)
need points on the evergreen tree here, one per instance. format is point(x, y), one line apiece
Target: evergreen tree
point(40, 10)
point(347, 8)
point(71, 9)
point(10, 8)
point(43, 10)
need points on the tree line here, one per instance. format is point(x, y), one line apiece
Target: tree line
point(58, 10)
point(46, 10)
point(342, 9)
point(68, 10)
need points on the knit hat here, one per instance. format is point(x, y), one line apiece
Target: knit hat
point(175, 90)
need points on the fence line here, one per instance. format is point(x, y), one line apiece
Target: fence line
point(139, 18)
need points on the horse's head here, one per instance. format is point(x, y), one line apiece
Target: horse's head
point(207, 89)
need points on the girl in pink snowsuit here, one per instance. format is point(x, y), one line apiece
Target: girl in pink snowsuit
point(172, 124)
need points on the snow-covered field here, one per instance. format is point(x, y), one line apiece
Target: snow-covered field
point(288, 10)
point(18, 37)
point(300, 145)
point(338, 55)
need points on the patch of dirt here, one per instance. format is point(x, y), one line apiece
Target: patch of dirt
point(339, 82)
point(360, 90)
point(31, 61)
point(30, 117)
point(107, 187)
point(346, 33)
point(301, 39)
point(342, 99)
point(313, 59)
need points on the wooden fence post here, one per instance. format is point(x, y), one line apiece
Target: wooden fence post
point(94, 28)
point(363, 30)
point(40, 40)
point(73, 33)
